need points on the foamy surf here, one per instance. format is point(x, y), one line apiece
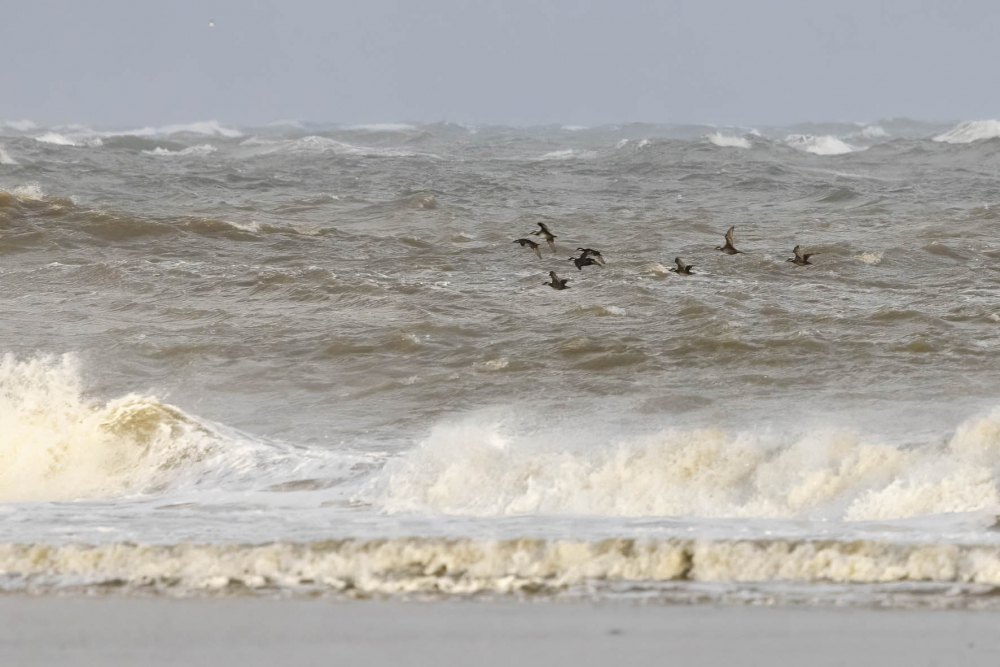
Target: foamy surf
point(473, 468)
point(464, 567)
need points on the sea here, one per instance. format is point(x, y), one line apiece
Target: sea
point(309, 359)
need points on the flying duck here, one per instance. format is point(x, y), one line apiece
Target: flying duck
point(729, 248)
point(544, 232)
point(584, 260)
point(682, 268)
point(528, 243)
point(800, 259)
point(557, 282)
point(590, 252)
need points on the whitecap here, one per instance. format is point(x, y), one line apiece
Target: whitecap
point(383, 127)
point(29, 191)
point(203, 149)
point(5, 157)
point(871, 257)
point(209, 127)
point(819, 145)
point(720, 139)
point(565, 154)
point(970, 131)
point(55, 138)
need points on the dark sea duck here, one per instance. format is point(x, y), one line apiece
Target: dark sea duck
point(557, 282)
point(528, 243)
point(800, 259)
point(729, 248)
point(682, 268)
point(544, 232)
point(584, 260)
point(590, 252)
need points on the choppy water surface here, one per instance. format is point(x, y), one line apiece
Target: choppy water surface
point(275, 337)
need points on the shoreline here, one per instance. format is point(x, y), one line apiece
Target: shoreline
point(116, 631)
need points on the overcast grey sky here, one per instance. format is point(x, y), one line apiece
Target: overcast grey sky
point(507, 61)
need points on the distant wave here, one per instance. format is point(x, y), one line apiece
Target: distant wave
point(574, 128)
point(57, 139)
point(720, 139)
point(203, 149)
point(383, 127)
point(970, 131)
point(5, 157)
point(565, 154)
point(473, 468)
point(818, 145)
point(210, 128)
point(318, 144)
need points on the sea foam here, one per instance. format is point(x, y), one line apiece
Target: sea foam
point(464, 566)
point(473, 468)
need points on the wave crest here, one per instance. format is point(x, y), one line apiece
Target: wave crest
point(724, 141)
point(818, 145)
point(970, 131)
point(473, 469)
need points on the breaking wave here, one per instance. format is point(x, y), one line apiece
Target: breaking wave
point(970, 131)
point(5, 157)
point(57, 139)
point(469, 468)
point(57, 445)
point(818, 145)
point(724, 141)
point(203, 149)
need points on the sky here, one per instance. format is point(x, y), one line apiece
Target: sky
point(513, 62)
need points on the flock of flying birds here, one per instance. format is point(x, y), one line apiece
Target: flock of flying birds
point(591, 257)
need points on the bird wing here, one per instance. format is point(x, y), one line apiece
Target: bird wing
point(729, 236)
point(680, 265)
point(807, 256)
point(534, 246)
point(553, 276)
point(552, 245)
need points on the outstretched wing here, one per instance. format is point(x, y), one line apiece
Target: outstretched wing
point(807, 256)
point(552, 245)
point(729, 236)
point(798, 252)
point(680, 265)
point(534, 246)
point(553, 276)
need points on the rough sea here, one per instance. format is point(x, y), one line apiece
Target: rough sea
point(310, 360)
